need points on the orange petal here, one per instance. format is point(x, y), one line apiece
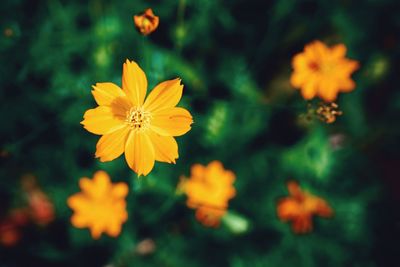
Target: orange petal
point(79, 221)
point(338, 51)
point(96, 230)
point(323, 209)
point(120, 190)
point(320, 50)
point(172, 122)
point(114, 228)
point(165, 95)
point(134, 83)
point(347, 85)
point(105, 93)
point(111, 146)
point(300, 62)
point(102, 120)
point(139, 153)
point(295, 190)
point(165, 147)
point(309, 89)
point(328, 90)
point(288, 209)
point(297, 79)
point(75, 201)
point(302, 224)
point(96, 187)
point(352, 65)
point(197, 172)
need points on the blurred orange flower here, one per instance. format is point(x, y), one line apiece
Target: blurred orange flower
point(300, 207)
point(145, 130)
point(146, 22)
point(10, 234)
point(209, 189)
point(101, 205)
point(323, 71)
point(11, 227)
point(41, 209)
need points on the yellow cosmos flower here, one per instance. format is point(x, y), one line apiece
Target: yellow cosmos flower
point(323, 71)
point(143, 129)
point(300, 207)
point(147, 22)
point(101, 205)
point(209, 189)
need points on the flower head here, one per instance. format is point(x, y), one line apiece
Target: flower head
point(323, 71)
point(143, 129)
point(209, 189)
point(146, 22)
point(300, 207)
point(101, 205)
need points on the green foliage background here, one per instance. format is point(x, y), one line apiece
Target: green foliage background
point(234, 58)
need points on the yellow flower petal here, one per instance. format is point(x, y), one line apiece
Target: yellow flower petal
point(197, 172)
point(75, 200)
point(339, 51)
point(79, 221)
point(139, 152)
point(101, 120)
point(134, 83)
point(165, 95)
point(96, 230)
point(328, 90)
point(300, 62)
point(105, 93)
point(309, 89)
point(297, 79)
point(120, 190)
point(347, 85)
point(172, 122)
point(165, 147)
point(97, 186)
point(114, 229)
point(111, 146)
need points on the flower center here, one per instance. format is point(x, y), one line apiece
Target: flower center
point(138, 119)
point(314, 66)
point(323, 68)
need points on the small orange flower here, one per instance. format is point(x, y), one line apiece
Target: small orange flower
point(323, 71)
point(146, 22)
point(143, 129)
point(10, 234)
point(101, 205)
point(208, 190)
point(300, 207)
point(41, 209)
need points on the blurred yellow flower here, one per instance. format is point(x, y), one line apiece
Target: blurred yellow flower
point(101, 205)
point(144, 130)
point(209, 189)
point(300, 207)
point(323, 71)
point(146, 22)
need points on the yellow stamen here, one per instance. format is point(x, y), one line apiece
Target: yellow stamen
point(138, 119)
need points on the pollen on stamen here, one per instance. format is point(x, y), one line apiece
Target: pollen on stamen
point(138, 119)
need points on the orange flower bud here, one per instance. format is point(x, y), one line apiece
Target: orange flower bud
point(146, 22)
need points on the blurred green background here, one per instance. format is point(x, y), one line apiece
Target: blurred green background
point(234, 58)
